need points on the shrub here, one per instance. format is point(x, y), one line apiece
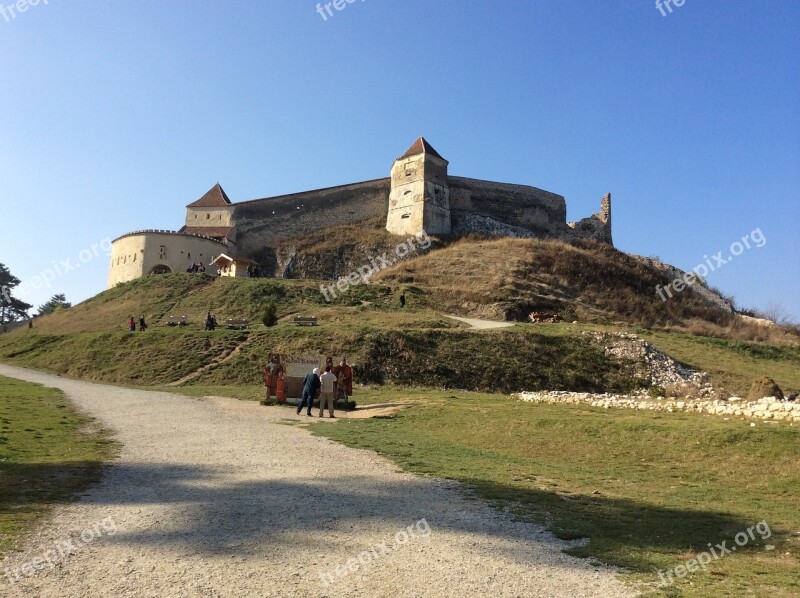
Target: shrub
point(270, 317)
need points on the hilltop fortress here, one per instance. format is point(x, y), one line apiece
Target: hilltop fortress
point(419, 196)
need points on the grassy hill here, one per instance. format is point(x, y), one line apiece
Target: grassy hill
point(509, 278)
point(417, 345)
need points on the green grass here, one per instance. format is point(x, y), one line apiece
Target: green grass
point(649, 490)
point(48, 455)
point(732, 365)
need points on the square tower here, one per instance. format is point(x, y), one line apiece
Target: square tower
point(419, 199)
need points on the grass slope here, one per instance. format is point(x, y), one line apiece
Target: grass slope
point(411, 346)
point(508, 278)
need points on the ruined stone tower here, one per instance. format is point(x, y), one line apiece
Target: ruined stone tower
point(419, 199)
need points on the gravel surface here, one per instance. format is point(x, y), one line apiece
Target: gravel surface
point(482, 324)
point(218, 497)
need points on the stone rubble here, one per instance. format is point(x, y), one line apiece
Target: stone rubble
point(648, 362)
point(767, 408)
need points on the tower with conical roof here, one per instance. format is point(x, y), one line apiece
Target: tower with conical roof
point(419, 199)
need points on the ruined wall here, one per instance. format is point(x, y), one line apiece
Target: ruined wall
point(596, 227)
point(266, 222)
point(541, 212)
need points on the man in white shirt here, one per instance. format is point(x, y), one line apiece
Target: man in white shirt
point(328, 381)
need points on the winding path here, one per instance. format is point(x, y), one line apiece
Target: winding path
point(482, 324)
point(215, 497)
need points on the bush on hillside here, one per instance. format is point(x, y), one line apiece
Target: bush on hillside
point(270, 317)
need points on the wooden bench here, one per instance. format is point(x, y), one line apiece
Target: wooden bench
point(236, 323)
point(305, 320)
point(177, 321)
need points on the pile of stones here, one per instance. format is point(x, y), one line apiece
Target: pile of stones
point(645, 361)
point(767, 408)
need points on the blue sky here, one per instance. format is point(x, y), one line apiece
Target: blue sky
point(116, 115)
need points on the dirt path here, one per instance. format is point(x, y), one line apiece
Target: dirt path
point(218, 361)
point(217, 498)
point(482, 324)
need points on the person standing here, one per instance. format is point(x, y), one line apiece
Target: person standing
point(271, 372)
point(402, 300)
point(327, 385)
point(142, 324)
point(132, 324)
point(311, 386)
point(344, 376)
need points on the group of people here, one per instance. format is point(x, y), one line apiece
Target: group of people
point(196, 268)
point(132, 324)
point(211, 321)
point(331, 383)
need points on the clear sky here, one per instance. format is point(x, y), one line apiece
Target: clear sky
point(115, 115)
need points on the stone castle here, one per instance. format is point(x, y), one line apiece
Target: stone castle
point(419, 196)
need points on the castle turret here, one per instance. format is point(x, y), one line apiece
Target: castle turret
point(211, 216)
point(419, 199)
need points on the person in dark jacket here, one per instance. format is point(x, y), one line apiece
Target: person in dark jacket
point(311, 386)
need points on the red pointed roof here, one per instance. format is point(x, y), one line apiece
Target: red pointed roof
point(214, 198)
point(421, 146)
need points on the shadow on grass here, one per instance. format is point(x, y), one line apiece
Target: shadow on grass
point(27, 487)
point(621, 532)
point(220, 515)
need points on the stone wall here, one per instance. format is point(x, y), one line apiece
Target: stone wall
point(767, 409)
point(475, 206)
point(263, 223)
point(541, 212)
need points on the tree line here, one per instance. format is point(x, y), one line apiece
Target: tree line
point(13, 309)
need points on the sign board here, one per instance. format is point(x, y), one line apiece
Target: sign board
point(299, 366)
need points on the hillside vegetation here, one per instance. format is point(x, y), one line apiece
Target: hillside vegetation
point(416, 345)
point(509, 278)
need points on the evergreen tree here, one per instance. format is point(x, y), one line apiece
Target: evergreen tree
point(11, 308)
point(55, 302)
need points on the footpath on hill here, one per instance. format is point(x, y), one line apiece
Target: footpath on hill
point(215, 497)
point(482, 324)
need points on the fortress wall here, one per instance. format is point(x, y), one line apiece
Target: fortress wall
point(126, 259)
point(539, 211)
point(264, 222)
point(136, 254)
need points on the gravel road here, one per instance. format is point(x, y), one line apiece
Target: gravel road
point(218, 497)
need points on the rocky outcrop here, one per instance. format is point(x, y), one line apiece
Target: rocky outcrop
point(697, 286)
point(645, 361)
